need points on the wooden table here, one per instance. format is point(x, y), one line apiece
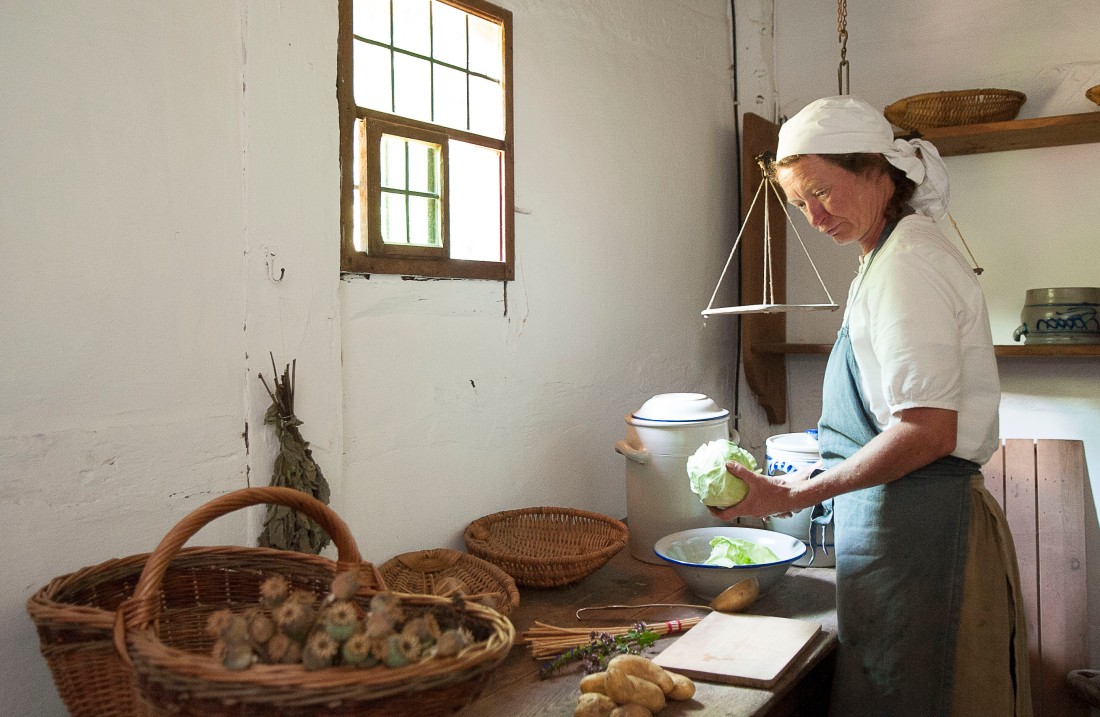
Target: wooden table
point(515, 690)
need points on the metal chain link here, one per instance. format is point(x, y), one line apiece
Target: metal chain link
point(842, 78)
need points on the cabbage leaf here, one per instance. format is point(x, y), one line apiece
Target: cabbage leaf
point(728, 552)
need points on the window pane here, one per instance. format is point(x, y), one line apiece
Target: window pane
point(424, 167)
point(450, 97)
point(393, 219)
point(372, 86)
point(424, 221)
point(392, 153)
point(486, 108)
point(357, 238)
point(485, 49)
point(412, 26)
point(448, 34)
point(475, 202)
point(371, 19)
point(413, 86)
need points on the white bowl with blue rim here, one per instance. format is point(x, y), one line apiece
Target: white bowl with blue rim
point(687, 550)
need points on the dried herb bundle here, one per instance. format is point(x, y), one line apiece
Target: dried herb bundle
point(285, 528)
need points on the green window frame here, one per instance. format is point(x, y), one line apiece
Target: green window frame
point(426, 181)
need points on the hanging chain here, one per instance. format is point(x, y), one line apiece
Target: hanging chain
point(843, 85)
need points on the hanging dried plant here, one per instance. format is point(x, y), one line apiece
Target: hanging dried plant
point(285, 528)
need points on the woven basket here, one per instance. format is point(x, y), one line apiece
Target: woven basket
point(442, 571)
point(953, 108)
point(546, 547)
point(164, 666)
point(75, 614)
point(1093, 93)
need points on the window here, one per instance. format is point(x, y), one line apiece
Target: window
point(425, 93)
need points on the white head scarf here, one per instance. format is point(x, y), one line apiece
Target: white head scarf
point(845, 125)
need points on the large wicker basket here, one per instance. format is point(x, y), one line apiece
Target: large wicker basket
point(953, 108)
point(546, 547)
point(442, 571)
point(161, 662)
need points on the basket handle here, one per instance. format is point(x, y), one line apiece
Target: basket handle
point(143, 609)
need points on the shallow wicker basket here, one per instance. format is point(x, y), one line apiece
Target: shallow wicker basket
point(127, 637)
point(1093, 93)
point(546, 547)
point(953, 108)
point(442, 571)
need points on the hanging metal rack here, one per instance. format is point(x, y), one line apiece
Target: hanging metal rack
point(767, 303)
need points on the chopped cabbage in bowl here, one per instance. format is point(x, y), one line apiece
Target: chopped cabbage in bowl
point(728, 552)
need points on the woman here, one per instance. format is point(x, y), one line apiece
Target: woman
point(927, 583)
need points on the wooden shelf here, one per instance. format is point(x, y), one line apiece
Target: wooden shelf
point(774, 349)
point(763, 336)
point(1058, 131)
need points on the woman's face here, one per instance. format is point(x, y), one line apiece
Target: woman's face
point(846, 206)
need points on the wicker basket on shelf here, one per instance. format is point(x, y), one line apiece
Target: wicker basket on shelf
point(128, 637)
point(546, 547)
point(953, 108)
point(445, 572)
point(1093, 93)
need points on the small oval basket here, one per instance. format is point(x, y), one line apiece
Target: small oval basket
point(444, 572)
point(1093, 93)
point(546, 547)
point(953, 108)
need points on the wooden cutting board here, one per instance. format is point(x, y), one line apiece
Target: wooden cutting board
point(749, 650)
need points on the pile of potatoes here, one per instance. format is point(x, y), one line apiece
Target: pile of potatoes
point(632, 686)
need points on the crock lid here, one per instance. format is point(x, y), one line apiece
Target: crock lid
point(805, 442)
point(677, 408)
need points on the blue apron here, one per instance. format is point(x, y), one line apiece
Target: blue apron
point(900, 561)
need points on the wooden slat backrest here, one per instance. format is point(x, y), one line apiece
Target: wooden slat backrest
point(1041, 486)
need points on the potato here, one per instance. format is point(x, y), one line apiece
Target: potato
point(737, 597)
point(631, 710)
point(596, 682)
point(643, 668)
point(593, 704)
point(683, 688)
point(625, 689)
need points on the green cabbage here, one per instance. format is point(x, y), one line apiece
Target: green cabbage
point(728, 552)
point(708, 476)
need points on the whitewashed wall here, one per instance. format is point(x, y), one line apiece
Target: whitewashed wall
point(1030, 217)
point(163, 161)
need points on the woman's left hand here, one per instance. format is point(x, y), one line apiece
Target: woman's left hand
point(767, 495)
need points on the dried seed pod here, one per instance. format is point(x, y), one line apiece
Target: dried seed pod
point(281, 650)
point(319, 652)
point(237, 654)
point(273, 591)
point(451, 642)
point(218, 622)
point(261, 627)
point(392, 654)
point(341, 620)
point(295, 619)
point(345, 585)
point(379, 625)
point(357, 651)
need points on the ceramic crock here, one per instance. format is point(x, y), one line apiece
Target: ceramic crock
point(660, 437)
point(1065, 315)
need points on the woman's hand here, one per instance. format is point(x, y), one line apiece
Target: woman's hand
point(768, 495)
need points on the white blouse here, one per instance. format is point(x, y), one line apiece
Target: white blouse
point(920, 334)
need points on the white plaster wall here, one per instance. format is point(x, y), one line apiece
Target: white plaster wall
point(466, 398)
point(160, 159)
point(1029, 216)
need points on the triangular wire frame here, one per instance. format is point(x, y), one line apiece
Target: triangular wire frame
point(767, 304)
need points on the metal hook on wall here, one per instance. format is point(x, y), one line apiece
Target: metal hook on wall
point(271, 267)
